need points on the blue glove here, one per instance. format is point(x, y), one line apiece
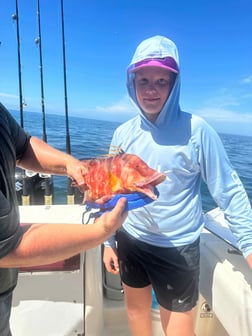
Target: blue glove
point(134, 201)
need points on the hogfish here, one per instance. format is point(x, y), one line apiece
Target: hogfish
point(119, 174)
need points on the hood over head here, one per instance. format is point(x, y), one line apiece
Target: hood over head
point(161, 52)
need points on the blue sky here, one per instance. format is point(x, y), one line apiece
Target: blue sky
point(213, 39)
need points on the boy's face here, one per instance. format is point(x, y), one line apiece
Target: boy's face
point(153, 86)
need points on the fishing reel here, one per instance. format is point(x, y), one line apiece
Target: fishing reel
point(33, 188)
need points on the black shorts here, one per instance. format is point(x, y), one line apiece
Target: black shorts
point(173, 272)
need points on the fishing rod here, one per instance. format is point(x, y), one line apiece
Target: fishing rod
point(46, 177)
point(25, 197)
point(38, 41)
point(16, 18)
point(68, 146)
point(70, 189)
point(29, 184)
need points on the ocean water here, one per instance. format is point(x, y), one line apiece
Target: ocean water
point(91, 138)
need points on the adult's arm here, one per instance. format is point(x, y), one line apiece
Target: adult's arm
point(41, 157)
point(48, 243)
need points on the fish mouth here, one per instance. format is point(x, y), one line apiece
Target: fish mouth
point(147, 187)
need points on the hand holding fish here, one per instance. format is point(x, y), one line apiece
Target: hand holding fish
point(111, 221)
point(76, 171)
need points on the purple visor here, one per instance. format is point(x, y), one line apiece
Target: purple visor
point(166, 63)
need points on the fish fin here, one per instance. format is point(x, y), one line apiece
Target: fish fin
point(112, 153)
point(115, 150)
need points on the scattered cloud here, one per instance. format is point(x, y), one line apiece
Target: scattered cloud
point(223, 100)
point(122, 106)
point(246, 80)
point(8, 95)
point(247, 96)
point(222, 114)
point(226, 120)
point(228, 110)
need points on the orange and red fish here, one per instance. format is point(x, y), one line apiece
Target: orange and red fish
point(119, 174)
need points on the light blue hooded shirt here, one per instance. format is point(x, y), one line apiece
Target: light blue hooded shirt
point(188, 150)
